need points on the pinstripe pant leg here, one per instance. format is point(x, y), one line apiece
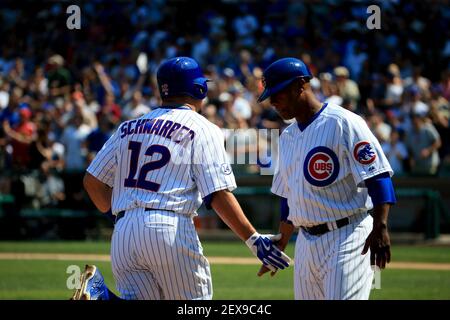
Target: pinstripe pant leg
point(195, 267)
point(121, 260)
point(177, 259)
point(308, 289)
point(350, 275)
point(307, 284)
point(144, 284)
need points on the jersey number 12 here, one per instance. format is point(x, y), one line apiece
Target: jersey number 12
point(141, 181)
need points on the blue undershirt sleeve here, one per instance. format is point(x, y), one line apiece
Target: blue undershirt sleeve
point(381, 189)
point(284, 210)
point(208, 200)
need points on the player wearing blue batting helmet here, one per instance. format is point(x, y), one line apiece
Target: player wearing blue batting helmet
point(168, 190)
point(282, 73)
point(181, 76)
point(321, 148)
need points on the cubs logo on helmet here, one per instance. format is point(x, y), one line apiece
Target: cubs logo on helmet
point(363, 152)
point(165, 89)
point(321, 166)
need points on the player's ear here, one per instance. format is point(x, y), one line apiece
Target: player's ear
point(300, 86)
point(303, 82)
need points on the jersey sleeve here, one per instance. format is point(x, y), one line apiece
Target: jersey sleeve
point(279, 187)
point(211, 167)
point(279, 183)
point(363, 151)
point(104, 165)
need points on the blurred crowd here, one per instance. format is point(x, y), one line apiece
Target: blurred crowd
point(63, 92)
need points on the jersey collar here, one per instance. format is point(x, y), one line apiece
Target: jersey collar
point(303, 126)
point(175, 106)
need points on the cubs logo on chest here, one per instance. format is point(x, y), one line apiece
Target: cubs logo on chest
point(321, 166)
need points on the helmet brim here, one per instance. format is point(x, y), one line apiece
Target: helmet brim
point(275, 89)
point(201, 81)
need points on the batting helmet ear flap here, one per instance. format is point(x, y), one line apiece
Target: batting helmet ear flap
point(200, 90)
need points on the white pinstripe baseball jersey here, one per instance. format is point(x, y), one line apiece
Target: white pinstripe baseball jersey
point(168, 159)
point(323, 165)
point(322, 168)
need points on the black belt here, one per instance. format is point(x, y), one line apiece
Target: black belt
point(323, 228)
point(121, 214)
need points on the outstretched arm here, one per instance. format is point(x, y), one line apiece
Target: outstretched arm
point(262, 246)
point(229, 210)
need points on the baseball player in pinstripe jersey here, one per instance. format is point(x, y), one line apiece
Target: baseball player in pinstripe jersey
point(154, 173)
point(331, 171)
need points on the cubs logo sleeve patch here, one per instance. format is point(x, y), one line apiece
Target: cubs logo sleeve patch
point(364, 153)
point(363, 150)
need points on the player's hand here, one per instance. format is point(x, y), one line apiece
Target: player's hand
point(263, 270)
point(281, 244)
point(286, 230)
point(380, 246)
point(263, 247)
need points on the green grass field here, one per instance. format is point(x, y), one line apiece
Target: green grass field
point(38, 279)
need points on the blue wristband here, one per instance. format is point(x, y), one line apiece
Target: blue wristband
point(381, 189)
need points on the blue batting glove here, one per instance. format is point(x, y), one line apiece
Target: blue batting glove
point(263, 247)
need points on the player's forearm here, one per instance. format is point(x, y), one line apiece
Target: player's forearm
point(229, 210)
point(380, 215)
point(99, 192)
point(286, 230)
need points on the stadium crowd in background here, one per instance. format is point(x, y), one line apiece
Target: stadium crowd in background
point(63, 92)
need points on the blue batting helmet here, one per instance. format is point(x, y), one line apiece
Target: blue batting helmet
point(181, 76)
point(282, 73)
